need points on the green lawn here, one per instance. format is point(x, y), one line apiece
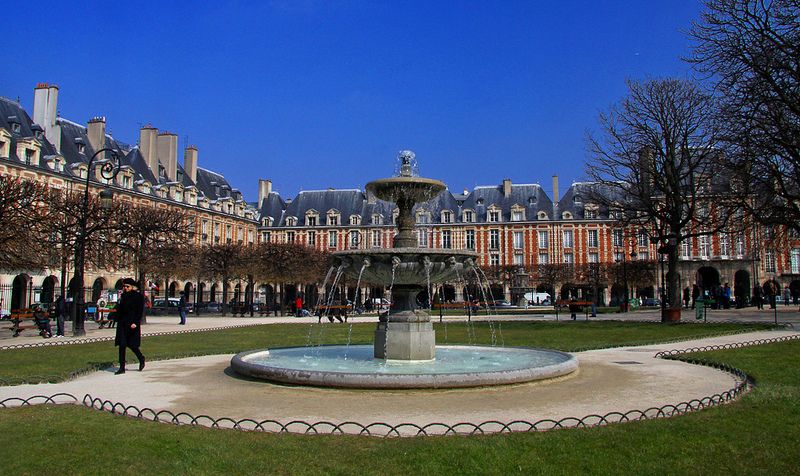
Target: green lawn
point(755, 435)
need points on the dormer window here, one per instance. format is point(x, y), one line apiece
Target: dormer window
point(493, 216)
point(291, 221)
point(469, 216)
point(566, 216)
point(423, 217)
point(5, 143)
point(590, 212)
point(333, 218)
point(377, 219)
point(355, 220)
point(266, 221)
point(15, 127)
point(38, 132)
point(479, 201)
point(447, 216)
point(517, 213)
point(577, 199)
point(531, 200)
point(311, 220)
point(80, 145)
point(541, 215)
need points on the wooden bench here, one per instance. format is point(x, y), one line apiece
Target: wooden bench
point(103, 318)
point(339, 311)
point(18, 318)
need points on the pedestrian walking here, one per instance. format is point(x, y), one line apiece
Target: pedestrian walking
point(687, 296)
point(182, 308)
point(61, 315)
point(130, 310)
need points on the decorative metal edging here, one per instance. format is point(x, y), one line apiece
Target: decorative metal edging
point(734, 345)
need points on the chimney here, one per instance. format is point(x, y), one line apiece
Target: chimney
point(264, 189)
point(167, 149)
point(96, 130)
point(506, 188)
point(190, 162)
point(371, 199)
point(45, 112)
point(555, 188)
point(147, 146)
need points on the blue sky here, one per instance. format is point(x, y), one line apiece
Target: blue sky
point(314, 94)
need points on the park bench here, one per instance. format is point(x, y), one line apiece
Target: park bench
point(103, 318)
point(18, 320)
point(337, 311)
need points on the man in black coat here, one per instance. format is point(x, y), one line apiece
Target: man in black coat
point(130, 309)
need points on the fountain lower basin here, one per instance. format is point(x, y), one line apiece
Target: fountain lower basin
point(355, 367)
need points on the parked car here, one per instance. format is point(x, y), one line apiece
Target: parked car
point(168, 307)
point(502, 304)
point(651, 302)
point(213, 307)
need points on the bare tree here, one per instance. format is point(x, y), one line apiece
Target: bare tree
point(551, 274)
point(23, 226)
point(656, 167)
point(224, 262)
point(750, 50)
point(147, 238)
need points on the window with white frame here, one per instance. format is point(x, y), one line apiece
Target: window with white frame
point(422, 238)
point(568, 239)
point(228, 233)
point(469, 238)
point(290, 237)
point(794, 257)
point(705, 246)
point(355, 219)
point(311, 220)
point(544, 239)
point(447, 216)
point(332, 238)
point(593, 257)
point(251, 236)
point(239, 234)
point(311, 237)
point(333, 219)
point(569, 258)
point(593, 238)
point(770, 265)
point(494, 260)
point(590, 214)
point(204, 229)
point(355, 239)
point(493, 216)
point(686, 248)
point(643, 256)
point(616, 237)
point(265, 236)
point(544, 258)
point(519, 240)
point(423, 218)
point(216, 232)
point(724, 245)
point(494, 239)
point(469, 216)
point(641, 239)
point(519, 259)
point(517, 215)
point(375, 238)
point(619, 256)
point(377, 219)
point(447, 239)
point(291, 221)
point(740, 244)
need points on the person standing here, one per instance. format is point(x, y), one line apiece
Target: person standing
point(182, 308)
point(61, 315)
point(687, 296)
point(130, 309)
point(298, 305)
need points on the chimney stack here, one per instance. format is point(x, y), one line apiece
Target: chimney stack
point(190, 162)
point(167, 149)
point(555, 188)
point(506, 188)
point(45, 112)
point(264, 189)
point(147, 146)
point(96, 130)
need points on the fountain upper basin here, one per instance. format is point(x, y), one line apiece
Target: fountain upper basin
point(354, 367)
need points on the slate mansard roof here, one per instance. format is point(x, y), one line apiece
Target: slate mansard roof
point(212, 185)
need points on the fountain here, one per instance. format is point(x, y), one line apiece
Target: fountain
point(404, 351)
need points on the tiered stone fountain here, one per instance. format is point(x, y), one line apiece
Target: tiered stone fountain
point(403, 354)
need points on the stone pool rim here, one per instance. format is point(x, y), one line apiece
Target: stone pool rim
point(370, 380)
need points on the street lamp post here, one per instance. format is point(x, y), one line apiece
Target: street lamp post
point(624, 280)
point(108, 171)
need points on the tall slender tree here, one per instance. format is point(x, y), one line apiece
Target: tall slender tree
point(23, 225)
point(656, 166)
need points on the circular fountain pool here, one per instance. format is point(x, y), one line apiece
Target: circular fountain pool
point(354, 366)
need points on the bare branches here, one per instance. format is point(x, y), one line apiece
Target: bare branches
point(750, 49)
point(21, 223)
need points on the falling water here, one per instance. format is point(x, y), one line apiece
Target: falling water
point(478, 273)
point(365, 263)
point(316, 306)
point(426, 263)
point(329, 302)
point(349, 337)
point(395, 264)
point(470, 325)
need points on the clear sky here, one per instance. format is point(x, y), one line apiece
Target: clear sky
point(317, 94)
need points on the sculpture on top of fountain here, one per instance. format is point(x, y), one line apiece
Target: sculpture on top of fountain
point(407, 164)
